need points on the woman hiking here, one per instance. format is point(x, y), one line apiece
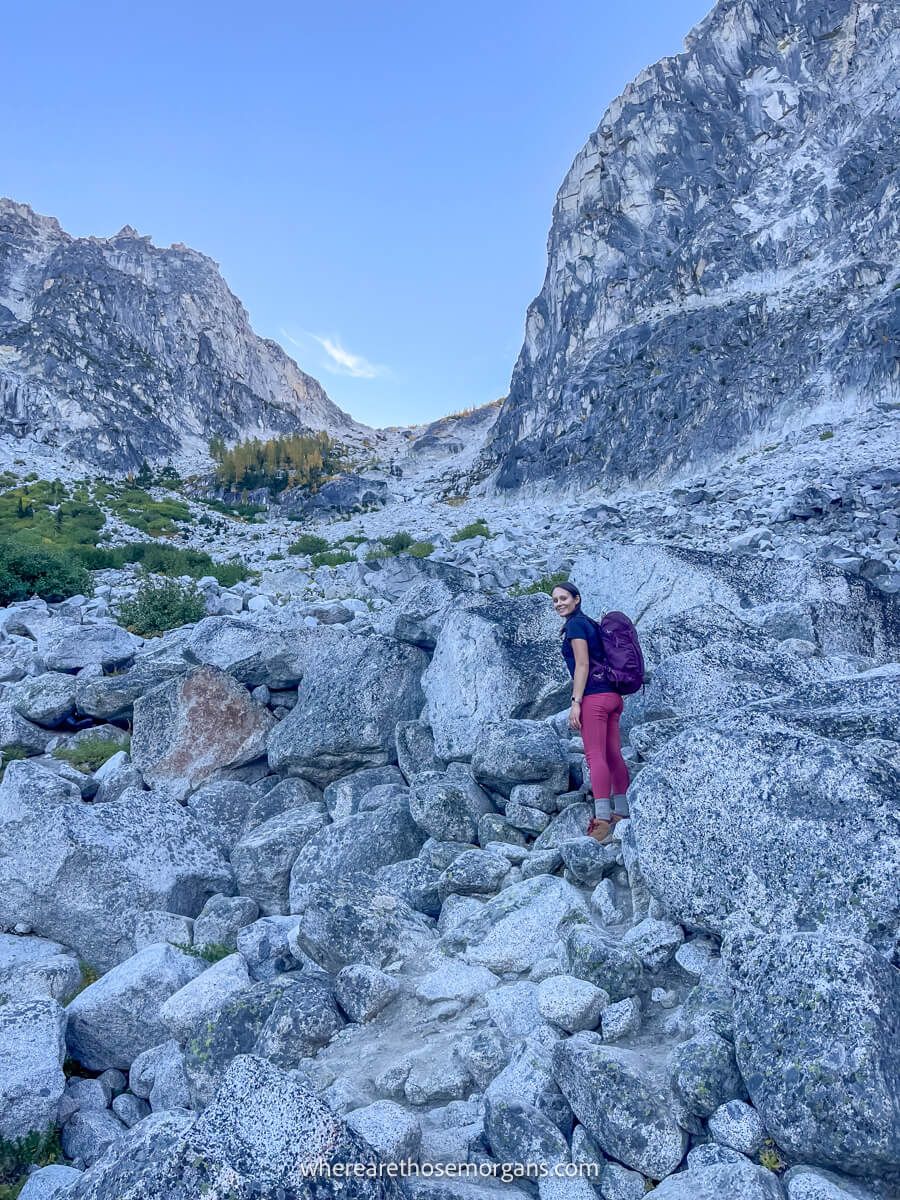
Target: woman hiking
point(596, 708)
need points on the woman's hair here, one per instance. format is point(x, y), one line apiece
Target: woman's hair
point(570, 588)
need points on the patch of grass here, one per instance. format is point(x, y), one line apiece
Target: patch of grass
point(36, 1149)
point(309, 543)
point(90, 753)
point(398, 542)
point(332, 558)
point(160, 558)
point(769, 1157)
point(352, 539)
point(475, 529)
point(455, 501)
point(421, 549)
point(10, 754)
point(158, 607)
point(826, 434)
point(26, 571)
point(211, 952)
point(243, 512)
point(546, 584)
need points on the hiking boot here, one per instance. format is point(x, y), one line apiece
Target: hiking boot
point(600, 829)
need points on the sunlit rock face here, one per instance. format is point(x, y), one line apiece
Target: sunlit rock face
point(113, 350)
point(721, 260)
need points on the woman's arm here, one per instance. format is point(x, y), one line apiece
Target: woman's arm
point(579, 679)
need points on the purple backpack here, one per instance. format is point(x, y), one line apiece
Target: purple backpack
point(623, 666)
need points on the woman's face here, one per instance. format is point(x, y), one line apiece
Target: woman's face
point(564, 603)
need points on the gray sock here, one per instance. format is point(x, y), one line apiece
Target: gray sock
point(602, 810)
point(621, 805)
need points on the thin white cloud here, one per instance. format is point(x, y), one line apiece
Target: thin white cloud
point(341, 361)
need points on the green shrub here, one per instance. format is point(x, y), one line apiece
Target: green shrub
point(421, 549)
point(308, 543)
point(211, 952)
point(158, 607)
point(476, 529)
point(332, 558)
point(27, 572)
point(36, 1149)
point(546, 584)
point(826, 434)
point(398, 542)
point(245, 512)
point(161, 558)
point(90, 753)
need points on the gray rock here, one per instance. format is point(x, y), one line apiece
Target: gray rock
point(713, 1182)
point(158, 1075)
point(187, 729)
point(513, 929)
point(520, 1133)
point(363, 991)
point(222, 807)
point(447, 808)
point(475, 872)
point(107, 697)
point(815, 1021)
point(604, 962)
point(572, 1004)
point(221, 919)
point(115, 1019)
point(587, 861)
point(32, 1049)
point(49, 1182)
point(812, 1183)
point(87, 1094)
point(45, 699)
point(185, 1010)
point(81, 872)
point(155, 926)
point(528, 1078)
point(621, 1019)
point(415, 749)
point(750, 784)
point(494, 659)
point(511, 752)
point(737, 1126)
point(622, 1103)
point(363, 842)
point(19, 735)
point(343, 796)
point(69, 647)
point(349, 921)
point(302, 1019)
point(272, 800)
point(130, 1109)
point(252, 652)
point(259, 1136)
point(89, 1133)
point(654, 942)
point(348, 706)
point(572, 822)
point(703, 1074)
point(32, 967)
point(391, 1130)
point(263, 858)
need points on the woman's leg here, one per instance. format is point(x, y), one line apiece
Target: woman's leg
point(594, 721)
point(618, 768)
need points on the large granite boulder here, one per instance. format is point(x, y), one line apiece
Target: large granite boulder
point(258, 1139)
point(187, 729)
point(770, 810)
point(110, 696)
point(494, 659)
point(115, 1019)
point(32, 1050)
point(262, 860)
point(253, 653)
point(81, 873)
point(69, 646)
point(348, 704)
point(623, 1103)
point(512, 752)
point(514, 929)
point(364, 841)
point(716, 1181)
point(816, 1024)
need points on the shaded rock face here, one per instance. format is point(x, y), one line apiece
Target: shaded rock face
point(719, 256)
point(817, 1023)
point(121, 351)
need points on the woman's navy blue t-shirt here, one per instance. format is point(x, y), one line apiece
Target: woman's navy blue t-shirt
point(578, 626)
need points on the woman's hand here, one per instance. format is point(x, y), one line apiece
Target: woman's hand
point(575, 715)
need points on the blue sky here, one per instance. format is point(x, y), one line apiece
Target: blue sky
point(375, 179)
